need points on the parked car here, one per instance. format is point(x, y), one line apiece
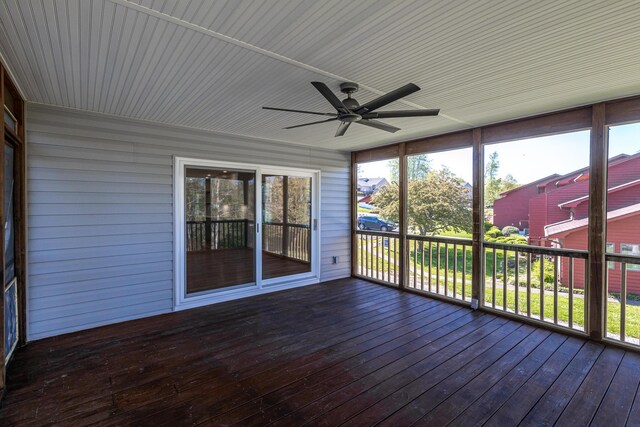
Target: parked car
point(367, 222)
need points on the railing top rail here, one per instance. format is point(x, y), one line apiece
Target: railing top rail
point(574, 253)
point(218, 221)
point(290, 224)
point(440, 239)
point(628, 259)
point(378, 233)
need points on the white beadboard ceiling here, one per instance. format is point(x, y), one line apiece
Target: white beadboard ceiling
point(213, 64)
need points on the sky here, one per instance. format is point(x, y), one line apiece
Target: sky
point(529, 159)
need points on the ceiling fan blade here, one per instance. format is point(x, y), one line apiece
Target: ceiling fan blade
point(330, 96)
point(378, 125)
point(400, 113)
point(312, 123)
point(388, 98)
point(342, 129)
point(299, 111)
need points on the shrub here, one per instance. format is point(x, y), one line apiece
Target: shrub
point(509, 230)
point(548, 270)
point(493, 232)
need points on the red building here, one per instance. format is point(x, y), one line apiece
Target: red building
point(555, 211)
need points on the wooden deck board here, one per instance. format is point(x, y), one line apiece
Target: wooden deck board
point(346, 352)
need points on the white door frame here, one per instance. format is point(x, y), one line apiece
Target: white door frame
point(181, 300)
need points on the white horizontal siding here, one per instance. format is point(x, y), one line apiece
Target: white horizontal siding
point(100, 213)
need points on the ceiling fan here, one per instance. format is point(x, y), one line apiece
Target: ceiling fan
point(350, 111)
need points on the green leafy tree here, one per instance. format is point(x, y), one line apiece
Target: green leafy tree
point(436, 203)
point(493, 185)
point(418, 167)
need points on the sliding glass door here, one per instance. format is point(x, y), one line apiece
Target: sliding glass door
point(286, 218)
point(219, 228)
point(242, 229)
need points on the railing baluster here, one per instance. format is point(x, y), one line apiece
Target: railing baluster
point(504, 279)
point(623, 301)
point(421, 265)
point(529, 284)
point(493, 279)
point(389, 260)
point(415, 262)
point(383, 259)
point(455, 268)
point(516, 278)
point(395, 258)
point(555, 289)
point(446, 269)
point(571, 292)
point(377, 257)
point(366, 254)
point(430, 262)
point(438, 267)
point(464, 272)
point(541, 287)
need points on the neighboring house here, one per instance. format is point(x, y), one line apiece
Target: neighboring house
point(623, 236)
point(512, 208)
point(369, 186)
point(555, 209)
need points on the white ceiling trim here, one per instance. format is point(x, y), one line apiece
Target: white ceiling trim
point(268, 53)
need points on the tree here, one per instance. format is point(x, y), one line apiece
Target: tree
point(436, 203)
point(493, 185)
point(418, 167)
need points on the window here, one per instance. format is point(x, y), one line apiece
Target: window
point(631, 249)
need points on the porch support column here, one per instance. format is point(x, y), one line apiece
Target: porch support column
point(477, 282)
point(596, 285)
point(285, 215)
point(354, 215)
point(207, 203)
point(404, 247)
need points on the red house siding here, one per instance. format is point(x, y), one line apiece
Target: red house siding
point(626, 230)
point(513, 209)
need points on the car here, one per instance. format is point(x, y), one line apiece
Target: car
point(368, 222)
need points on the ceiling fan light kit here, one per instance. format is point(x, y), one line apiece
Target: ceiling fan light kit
point(350, 111)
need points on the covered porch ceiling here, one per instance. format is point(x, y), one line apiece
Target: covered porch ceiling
point(214, 65)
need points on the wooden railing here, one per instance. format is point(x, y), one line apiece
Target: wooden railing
point(546, 284)
point(217, 234)
point(440, 265)
point(378, 256)
point(622, 316)
point(290, 240)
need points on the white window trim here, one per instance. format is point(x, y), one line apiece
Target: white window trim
point(181, 300)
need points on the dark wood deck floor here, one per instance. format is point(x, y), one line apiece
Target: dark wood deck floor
point(343, 352)
point(207, 270)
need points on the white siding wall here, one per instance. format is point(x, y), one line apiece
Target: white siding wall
point(100, 213)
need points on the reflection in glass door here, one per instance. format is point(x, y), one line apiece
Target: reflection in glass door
point(220, 228)
point(10, 281)
point(287, 225)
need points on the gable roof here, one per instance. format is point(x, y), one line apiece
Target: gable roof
point(368, 182)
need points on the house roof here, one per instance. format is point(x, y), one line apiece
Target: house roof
point(564, 227)
point(542, 181)
point(368, 182)
point(212, 65)
point(576, 202)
